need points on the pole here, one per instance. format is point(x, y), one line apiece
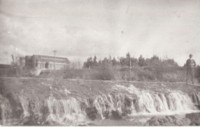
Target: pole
point(54, 52)
point(130, 68)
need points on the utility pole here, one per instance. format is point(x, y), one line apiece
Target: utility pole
point(54, 53)
point(130, 65)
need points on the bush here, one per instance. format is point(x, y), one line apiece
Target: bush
point(97, 73)
point(73, 73)
point(197, 73)
point(103, 73)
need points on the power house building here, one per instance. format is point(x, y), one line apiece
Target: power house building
point(43, 62)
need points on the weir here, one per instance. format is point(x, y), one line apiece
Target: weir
point(70, 102)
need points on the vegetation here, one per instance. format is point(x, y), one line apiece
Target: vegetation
point(197, 73)
point(140, 69)
point(121, 68)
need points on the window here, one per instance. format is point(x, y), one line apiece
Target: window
point(47, 65)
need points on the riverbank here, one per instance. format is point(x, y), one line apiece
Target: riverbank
point(41, 101)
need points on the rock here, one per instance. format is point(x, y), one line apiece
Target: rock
point(183, 122)
point(194, 118)
point(127, 102)
point(152, 122)
point(106, 114)
point(168, 121)
point(91, 112)
point(116, 115)
point(196, 99)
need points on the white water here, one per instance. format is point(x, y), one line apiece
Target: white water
point(65, 111)
point(125, 101)
point(151, 103)
point(5, 110)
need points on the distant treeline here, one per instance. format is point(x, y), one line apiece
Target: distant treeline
point(131, 68)
point(129, 61)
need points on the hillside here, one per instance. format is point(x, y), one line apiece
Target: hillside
point(42, 101)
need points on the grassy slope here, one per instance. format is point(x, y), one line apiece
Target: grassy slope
point(80, 88)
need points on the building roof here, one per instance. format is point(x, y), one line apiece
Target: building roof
point(51, 58)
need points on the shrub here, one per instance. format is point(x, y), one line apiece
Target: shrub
point(71, 73)
point(197, 73)
point(102, 73)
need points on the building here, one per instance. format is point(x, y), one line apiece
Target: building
point(42, 62)
point(7, 70)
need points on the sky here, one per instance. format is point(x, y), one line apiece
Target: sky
point(78, 29)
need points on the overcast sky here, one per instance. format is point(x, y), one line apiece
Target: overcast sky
point(81, 28)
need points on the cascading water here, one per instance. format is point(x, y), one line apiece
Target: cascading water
point(4, 110)
point(150, 102)
point(120, 102)
point(65, 111)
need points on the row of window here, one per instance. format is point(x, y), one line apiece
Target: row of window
point(48, 65)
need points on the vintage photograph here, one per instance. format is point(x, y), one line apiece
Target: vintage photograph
point(99, 62)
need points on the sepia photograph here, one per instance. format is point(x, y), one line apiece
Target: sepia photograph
point(99, 62)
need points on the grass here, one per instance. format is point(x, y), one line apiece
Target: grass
point(125, 73)
point(81, 88)
point(109, 72)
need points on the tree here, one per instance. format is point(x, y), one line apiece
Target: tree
point(114, 62)
point(128, 56)
point(154, 61)
point(94, 61)
point(141, 61)
point(88, 63)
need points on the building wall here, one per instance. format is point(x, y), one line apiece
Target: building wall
point(46, 62)
point(29, 63)
point(45, 65)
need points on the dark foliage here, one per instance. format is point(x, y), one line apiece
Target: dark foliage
point(131, 68)
point(197, 73)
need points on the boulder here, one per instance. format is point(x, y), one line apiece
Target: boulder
point(168, 121)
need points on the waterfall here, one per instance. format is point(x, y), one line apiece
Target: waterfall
point(119, 102)
point(65, 111)
point(156, 102)
point(5, 111)
point(133, 101)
